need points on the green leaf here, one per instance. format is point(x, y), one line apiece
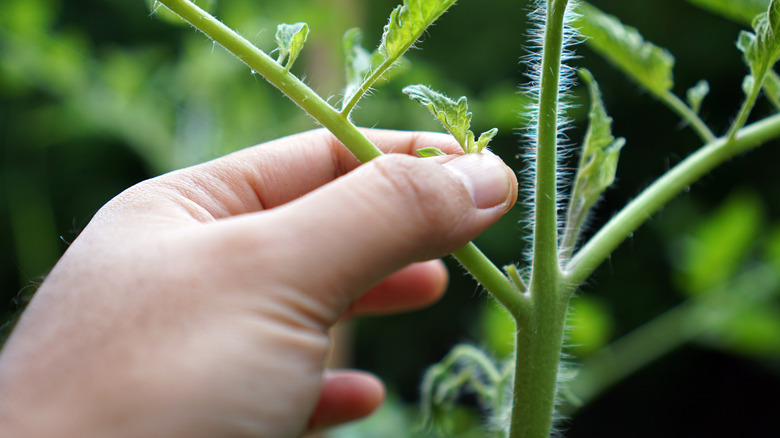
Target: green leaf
point(696, 95)
point(463, 367)
point(406, 25)
point(717, 249)
point(290, 38)
point(455, 116)
point(429, 152)
point(742, 11)
point(646, 63)
point(761, 49)
point(600, 149)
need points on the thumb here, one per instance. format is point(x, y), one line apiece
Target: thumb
point(395, 210)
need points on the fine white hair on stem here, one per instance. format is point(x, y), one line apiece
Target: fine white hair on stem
point(532, 89)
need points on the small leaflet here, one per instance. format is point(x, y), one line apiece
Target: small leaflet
point(454, 115)
point(600, 150)
point(430, 152)
point(290, 38)
point(406, 25)
point(696, 95)
point(761, 48)
point(646, 63)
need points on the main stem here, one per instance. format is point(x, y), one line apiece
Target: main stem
point(540, 331)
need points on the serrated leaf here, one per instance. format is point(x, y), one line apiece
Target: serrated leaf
point(429, 152)
point(454, 115)
point(290, 39)
point(406, 25)
point(600, 149)
point(761, 49)
point(485, 138)
point(742, 11)
point(646, 63)
point(696, 95)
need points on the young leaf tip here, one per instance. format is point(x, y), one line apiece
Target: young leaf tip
point(290, 39)
point(430, 152)
point(453, 115)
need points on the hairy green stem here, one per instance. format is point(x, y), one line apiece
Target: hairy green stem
point(745, 110)
point(366, 85)
point(540, 332)
point(686, 113)
point(492, 279)
point(662, 191)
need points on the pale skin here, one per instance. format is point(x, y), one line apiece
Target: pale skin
point(198, 303)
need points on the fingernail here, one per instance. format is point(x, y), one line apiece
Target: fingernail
point(484, 176)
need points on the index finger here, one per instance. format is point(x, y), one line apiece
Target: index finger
point(273, 173)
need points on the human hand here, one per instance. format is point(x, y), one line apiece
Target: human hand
point(198, 303)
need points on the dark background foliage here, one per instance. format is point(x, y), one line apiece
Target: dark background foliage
point(98, 95)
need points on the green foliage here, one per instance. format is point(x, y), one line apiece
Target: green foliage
point(359, 62)
point(743, 11)
point(600, 150)
point(649, 65)
point(696, 95)
point(591, 325)
point(464, 368)
point(406, 25)
point(719, 245)
point(290, 39)
point(762, 47)
point(78, 87)
point(429, 152)
point(497, 330)
point(455, 116)
point(598, 162)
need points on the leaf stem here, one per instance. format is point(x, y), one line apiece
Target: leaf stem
point(365, 86)
point(662, 191)
point(745, 110)
point(492, 279)
point(678, 106)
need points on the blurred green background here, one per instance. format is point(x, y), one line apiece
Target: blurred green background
point(98, 95)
